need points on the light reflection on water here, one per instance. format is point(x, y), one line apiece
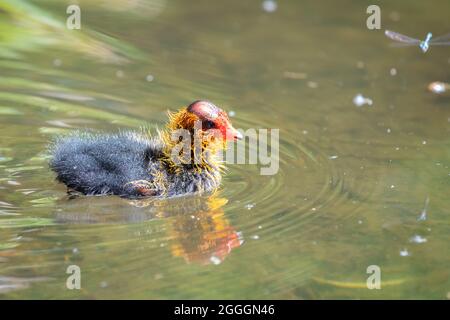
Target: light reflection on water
point(352, 181)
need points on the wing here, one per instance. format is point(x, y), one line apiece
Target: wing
point(401, 38)
point(440, 43)
point(444, 38)
point(402, 44)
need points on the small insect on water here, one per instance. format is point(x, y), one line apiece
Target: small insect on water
point(405, 41)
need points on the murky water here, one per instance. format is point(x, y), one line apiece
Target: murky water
point(353, 183)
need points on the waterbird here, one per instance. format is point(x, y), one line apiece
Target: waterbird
point(405, 41)
point(136, 164)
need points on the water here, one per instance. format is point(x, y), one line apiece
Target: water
point(352, 183)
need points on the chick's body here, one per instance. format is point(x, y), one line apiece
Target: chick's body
point(101, 164)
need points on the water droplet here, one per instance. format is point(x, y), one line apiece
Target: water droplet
point(359, 100)
point(404, 253)
point(418, 239)
point(215, 260)
point(269, 5)
point(249, 206)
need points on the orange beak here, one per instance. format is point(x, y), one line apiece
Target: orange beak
point(232, 134)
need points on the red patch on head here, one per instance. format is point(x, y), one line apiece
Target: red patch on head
point(213, 117)
point(205, 110)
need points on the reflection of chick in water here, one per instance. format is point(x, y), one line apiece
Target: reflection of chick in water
point(206, 236)
point(196, 225)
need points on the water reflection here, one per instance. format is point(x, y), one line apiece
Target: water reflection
point(197, 227)
point(203, 234)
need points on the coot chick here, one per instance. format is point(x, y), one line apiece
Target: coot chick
point(181, 159)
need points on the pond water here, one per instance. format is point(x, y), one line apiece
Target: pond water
point(356, 186)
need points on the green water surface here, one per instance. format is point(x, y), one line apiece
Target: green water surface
point(356, 186)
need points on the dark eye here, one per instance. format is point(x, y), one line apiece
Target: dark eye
point(208, 125)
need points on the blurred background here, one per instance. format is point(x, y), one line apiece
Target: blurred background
point(357, 185)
